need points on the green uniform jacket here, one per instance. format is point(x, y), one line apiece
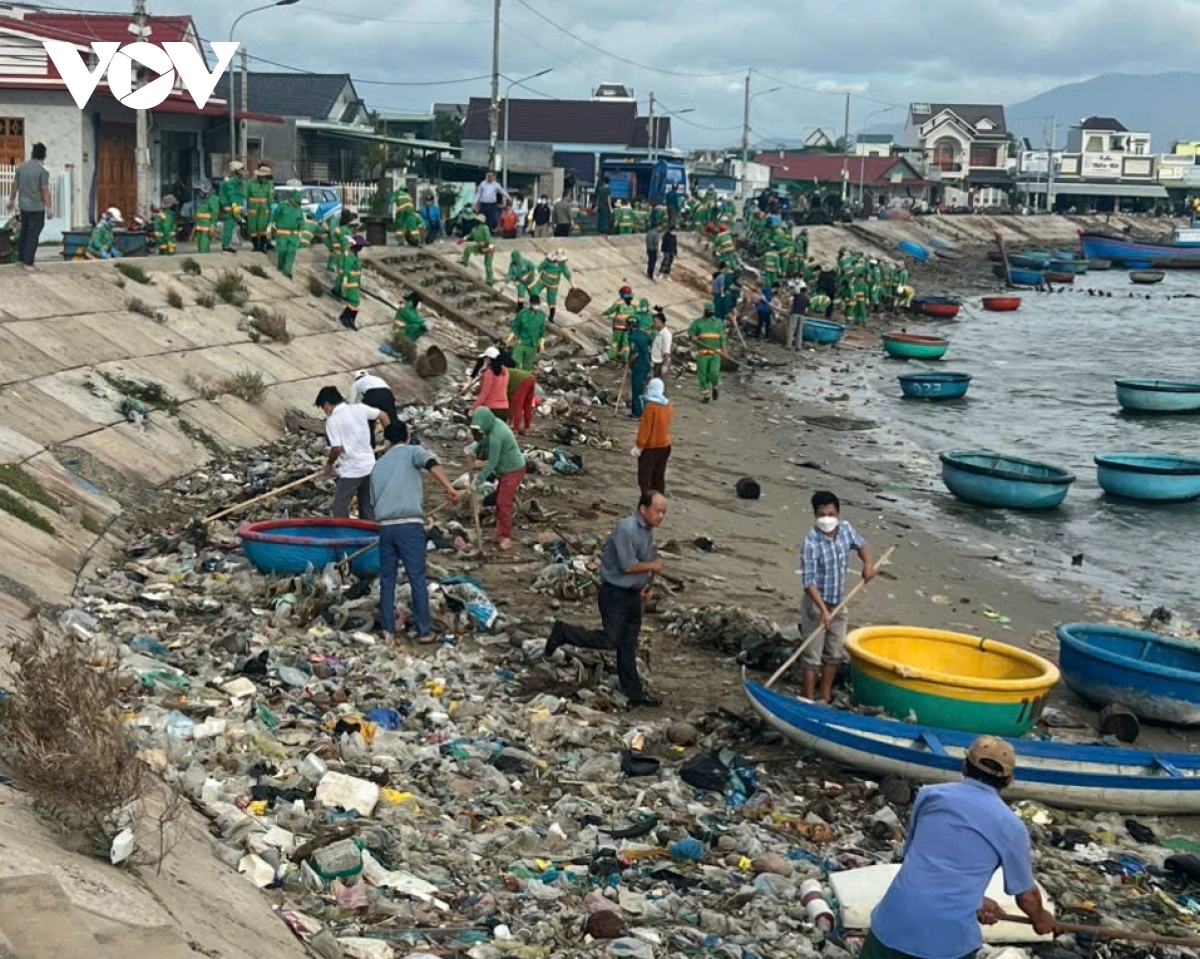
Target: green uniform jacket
point(232, 192)
point(101, 240)
point(207, 211)
point(708, 335)
point(522, 271)
point(163, 226)
point(288, 221)
point(551, 273)
point(259, 195)
point(411, 320)
point(529, 327)
point(481, 236)
point(504, 455)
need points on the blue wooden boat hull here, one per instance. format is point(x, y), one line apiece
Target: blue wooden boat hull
point(1020, 277)
point(1068, 266)
point(1029, 261)
point(1154, 478)
point(1144, 255)
point(935, 386)
point(1059, 774)
point(913, 249)
point(1159, 396)
point(288, 547)
point(983, 478)
point(1156, 677)
point(822, 332)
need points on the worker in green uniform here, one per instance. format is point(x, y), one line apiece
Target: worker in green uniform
point(233, 199)
point(287, 222)
point(643, 317)
point(658, 215)
point(260, 194)
point(550, 274)
point(349, 284)
point(406, 221)
point(604, 207)
point(639, 368)
point(708, 341)
point(723, 247)
point(623, 219)
point(858, 305)
point(528, 334)
point(162, 226)
point(621, 313)
point(771, 268)
point(101, 245)
point(524, 276)
point(308, 230)
point(408, 319)
point(479, 240)
point(208, 212)
point(337, 242)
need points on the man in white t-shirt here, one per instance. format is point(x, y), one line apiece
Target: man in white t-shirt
point(660, 346)
point(348, 430)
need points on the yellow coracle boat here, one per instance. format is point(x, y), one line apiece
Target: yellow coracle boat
point(950, 680)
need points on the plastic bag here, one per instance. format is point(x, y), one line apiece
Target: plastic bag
point(462, 592)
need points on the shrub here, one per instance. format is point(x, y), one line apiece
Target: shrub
point(270, 324)
point(133, 272)
point(206, 300)
point(191, 267)
point(146, 392)
point(315, 286)
point(24, 512)
point(15, 478)
point(136, 305)
point(175, 298)
point(247, 385)
point(255, 270)
point(231, 289)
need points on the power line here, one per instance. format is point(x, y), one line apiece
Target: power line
point(828, 93)
point(625, 60)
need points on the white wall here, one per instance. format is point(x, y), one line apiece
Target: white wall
point(51, 117)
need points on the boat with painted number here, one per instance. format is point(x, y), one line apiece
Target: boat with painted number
point(1156, 677)
point(288, 547)
point(935, 386)
point(910, 346)
point(1064, 775)
point(1001, 304)
point(984, 478)
point(1149, 477)
point(951, 680)
point(1146, 277)
point(1159, 396)
point(913, 249)
point(944, 307)
point(822, 332)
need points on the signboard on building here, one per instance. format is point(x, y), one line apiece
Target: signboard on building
point(1037, 163)
point(1101, 165)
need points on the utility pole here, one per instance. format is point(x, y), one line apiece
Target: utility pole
point(142, 151)
point(1050, 165)
point(652, 141)
point(243, 145)
point(845, 147)
point(745, 140)
point(494, 112)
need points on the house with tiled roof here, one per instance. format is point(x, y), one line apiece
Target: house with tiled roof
point(965, 147)
point(91, 151)
point(890, 181)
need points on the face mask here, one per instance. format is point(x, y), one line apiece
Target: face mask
point(827, 524)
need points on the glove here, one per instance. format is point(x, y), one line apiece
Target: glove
point(542, 345)
point(636, 451)
point(237, 210)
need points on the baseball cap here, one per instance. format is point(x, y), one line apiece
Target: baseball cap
point(993, 756)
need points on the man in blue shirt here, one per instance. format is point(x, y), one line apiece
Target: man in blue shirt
point(825, 560)
point(959, 835)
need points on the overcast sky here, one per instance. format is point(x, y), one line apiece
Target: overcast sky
point(887, 53)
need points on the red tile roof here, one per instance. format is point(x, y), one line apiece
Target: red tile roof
point(827, 168)
point(85, 27)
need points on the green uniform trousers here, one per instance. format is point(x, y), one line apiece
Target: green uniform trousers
point(708, 371)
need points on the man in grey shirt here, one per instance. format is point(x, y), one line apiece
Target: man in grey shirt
point(30, 196)
point(488, 195)
point(626, 565)
point(561, 216)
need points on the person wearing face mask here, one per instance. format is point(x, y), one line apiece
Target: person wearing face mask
point(826, 560)
point(541, 217)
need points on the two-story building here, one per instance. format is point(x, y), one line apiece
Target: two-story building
point(965, 148)
point(1105, 167)
point(825, 177)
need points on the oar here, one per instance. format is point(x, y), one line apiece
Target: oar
point(345, 561)
point(264, 496)
point(475, 511)
point(1110, 932)
point(883, 560)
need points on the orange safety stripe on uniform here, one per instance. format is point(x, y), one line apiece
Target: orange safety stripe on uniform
point(203, 229)
point(710, 336)
point(708, 352)
point(203, 216)
point(259, 199)
point(284, 232)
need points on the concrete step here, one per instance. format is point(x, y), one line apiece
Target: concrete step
point(143, 942)
point(39, 921)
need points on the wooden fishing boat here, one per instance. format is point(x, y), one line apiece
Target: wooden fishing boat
point(1058, 774)
point(1149, 477)
point(1055, 277)
point(1062, 265)
point(909, 346)
point(1159, 396)
point(944, 307)
point(1156, 677)
point(1001, 304)
point(984, 478)
point(1180, 251)
point(1146, 277)
point(935, 386)
point(288, 547)
point(913, 249)
point(1029, 260)
point(1020, 277)
point(820, 331)
point(951, 680)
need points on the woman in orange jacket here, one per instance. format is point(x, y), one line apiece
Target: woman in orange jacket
point(653, 447)
point(493, 388)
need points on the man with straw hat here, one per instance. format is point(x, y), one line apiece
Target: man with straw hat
point(959, 835)
point(233, 198)
point(260, 194)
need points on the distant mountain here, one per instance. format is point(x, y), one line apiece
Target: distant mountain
point(1161, 104)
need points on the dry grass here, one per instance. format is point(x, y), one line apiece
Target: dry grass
point(255, 270)
point(206, 388)
point(174, 298)
point(315, 286)
point(191, 267)
point(247, 385)
point(270, 324)
point(206, 300)
point(137, 305)
point(64, 740)
point(133, 272)
point(231, 288)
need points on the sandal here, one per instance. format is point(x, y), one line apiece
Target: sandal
point(426, 640)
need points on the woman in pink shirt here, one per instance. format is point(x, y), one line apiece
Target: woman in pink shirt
point(493, 388)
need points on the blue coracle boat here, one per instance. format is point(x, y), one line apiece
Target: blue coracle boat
point(288, 547)
point(935, 386)
point(1156, 677)
point(1029, 261)
point(984, 478)
point(1152, 477)
point(1059, 774)
point(914, 249)
point(1159, 396)
point(823, 332)
point(1020, 277)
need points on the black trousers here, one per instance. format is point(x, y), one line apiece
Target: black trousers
point(27, 240)
point(621, 619)
point(651, 263)
point(491, 213)
point(562, 229)
point(668, 260)
point(380, 399)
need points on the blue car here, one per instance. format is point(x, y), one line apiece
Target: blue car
point(320, 202)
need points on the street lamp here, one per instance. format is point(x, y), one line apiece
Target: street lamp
point(232, 111)
point(507, 93)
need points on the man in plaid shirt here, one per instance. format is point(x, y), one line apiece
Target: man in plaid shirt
point(825, 559)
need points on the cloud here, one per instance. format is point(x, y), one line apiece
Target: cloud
point(693, 54)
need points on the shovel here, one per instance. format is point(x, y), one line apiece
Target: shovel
point(265, 496)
